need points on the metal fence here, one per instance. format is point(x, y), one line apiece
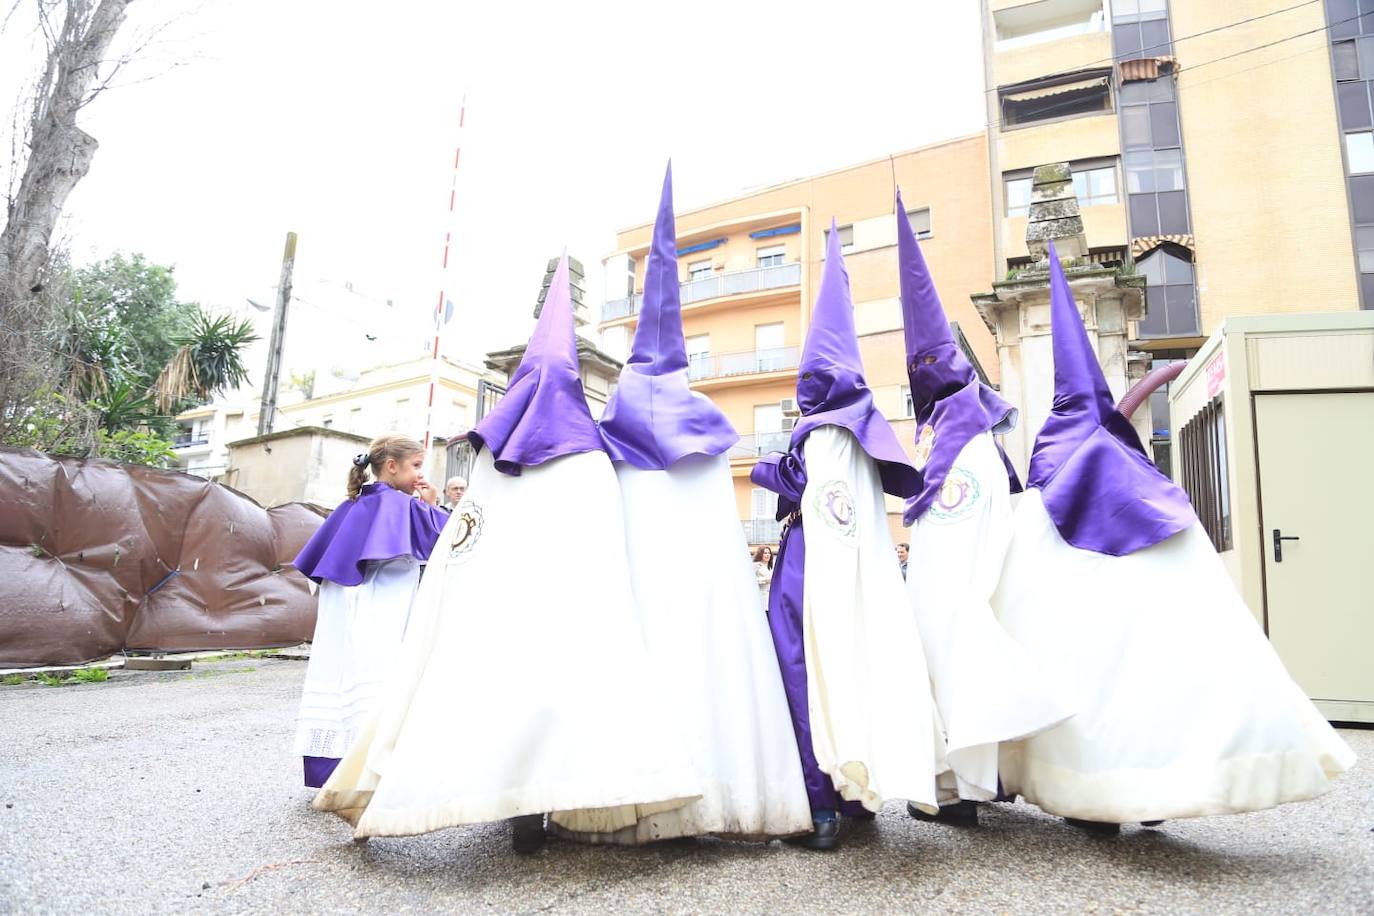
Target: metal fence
point(761, 530)
point(731, 284)
point(756, 445)
point(744, 362)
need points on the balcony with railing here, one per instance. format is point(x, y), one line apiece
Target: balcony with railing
point(757, 279)
point(745, 362)
point(761, 530)
point(756, 445)
point(190, 440)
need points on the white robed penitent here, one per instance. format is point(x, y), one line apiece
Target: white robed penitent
point(874, 728)
point(524, 686)
point(988, 688)
point(1184, 708)
point(358, 632)
point(987, 685)
point(694, 585)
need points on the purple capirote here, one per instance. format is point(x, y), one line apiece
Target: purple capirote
point(831, 390)
point(543, 414)
point(381, 524)
point(950, 403)
point(654, 418)
point(1099, 487)
point(786, 476)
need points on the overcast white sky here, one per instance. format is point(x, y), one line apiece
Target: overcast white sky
point(337, 119)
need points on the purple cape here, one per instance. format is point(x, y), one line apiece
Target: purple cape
point(1100, 489)
point(654, 418)
point(831, 390)
point(951, 404)
point(543, 414)
point(381, 524)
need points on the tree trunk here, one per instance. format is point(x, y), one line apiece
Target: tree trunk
point(60, 153)
point(59, 156)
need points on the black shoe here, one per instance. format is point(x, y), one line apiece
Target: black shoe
point(963, 813)
point(1150, 823)
point(1098, 828)
point(527, 833)
point(825, 836)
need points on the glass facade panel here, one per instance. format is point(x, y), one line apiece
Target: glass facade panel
point(1359, 152)
point(1169, 170)
point(1144, 216)
point(1154, 38)
point(1346, 60)
point(1135, 127)
point(1164, 125)
point(1140, 172)
point(1181, 313)
point(1362, 198)
point(1173, 213)
point(1340, 14)
point(1367, 288)
point(1366, 55)
point(1354, 105)
point(1018, 196)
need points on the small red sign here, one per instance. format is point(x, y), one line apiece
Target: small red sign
point(1216, 374)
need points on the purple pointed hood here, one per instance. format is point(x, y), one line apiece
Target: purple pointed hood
point(951, 405)
point(1102, 491)
point(654, 418)
point(831, 390)
point(543, 414)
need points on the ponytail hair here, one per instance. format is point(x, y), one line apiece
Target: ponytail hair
point(378, 451)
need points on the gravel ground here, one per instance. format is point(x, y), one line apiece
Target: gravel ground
point(176, 792)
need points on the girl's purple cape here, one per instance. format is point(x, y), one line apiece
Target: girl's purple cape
point(654, 418)
point(381, 524)
point(831, 390)
point(543, 414)
point(1100, 489)
point(951, 404)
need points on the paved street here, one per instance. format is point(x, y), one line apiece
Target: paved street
point(177, 792)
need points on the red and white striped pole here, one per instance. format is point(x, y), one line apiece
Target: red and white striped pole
point(443, 276)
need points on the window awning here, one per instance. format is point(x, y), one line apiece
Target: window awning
point(1041, 92)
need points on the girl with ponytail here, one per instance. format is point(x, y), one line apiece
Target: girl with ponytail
point(367, 559)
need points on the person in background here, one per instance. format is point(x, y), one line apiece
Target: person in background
point(763, 573)
point(453, 492)
point(903, 550)
point(367, 559)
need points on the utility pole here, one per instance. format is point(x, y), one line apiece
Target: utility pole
point(268, 407)
point(440, 304)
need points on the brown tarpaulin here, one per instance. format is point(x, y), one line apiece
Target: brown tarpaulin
point(96, 557)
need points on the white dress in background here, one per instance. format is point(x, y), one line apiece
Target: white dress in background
point(358, 631)
point(711, 647)
point(987, 687)
point(763, 575)
point(523, 687)
point(1184, 708)
point(874, 728)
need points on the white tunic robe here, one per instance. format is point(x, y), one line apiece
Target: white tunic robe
point(874, 729)
point(1184, 708)
point(987, 687)
point(710, 646)
point(358, 631)
point(524, 685)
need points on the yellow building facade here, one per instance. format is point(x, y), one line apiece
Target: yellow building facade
point(749, 268)
point(1207, 151)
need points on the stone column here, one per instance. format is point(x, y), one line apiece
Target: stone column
point(1017, 310)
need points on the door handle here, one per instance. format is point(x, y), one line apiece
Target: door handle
point(1279, 538)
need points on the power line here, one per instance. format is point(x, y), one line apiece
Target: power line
point(1187, 69)
point(1117, 58)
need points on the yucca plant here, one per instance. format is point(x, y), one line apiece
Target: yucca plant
point(123, 406)
point(207, 361)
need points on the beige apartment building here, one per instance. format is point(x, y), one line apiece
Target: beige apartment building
point(749, 268)
point(1207, 150)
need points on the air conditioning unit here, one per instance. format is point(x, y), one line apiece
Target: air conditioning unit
point(788, 423)
point(789, 407)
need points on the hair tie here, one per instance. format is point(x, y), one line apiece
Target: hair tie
point(361, 461)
